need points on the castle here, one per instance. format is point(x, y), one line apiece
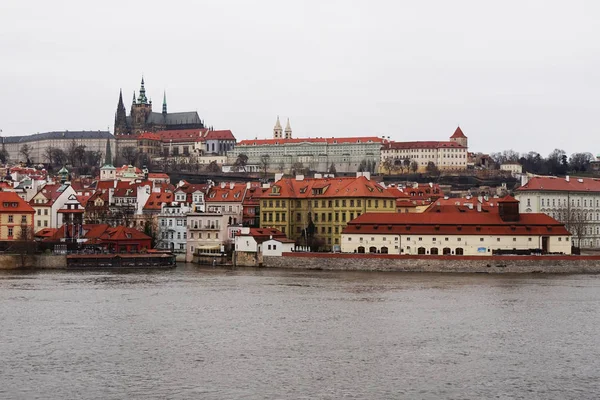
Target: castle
point(142, 119)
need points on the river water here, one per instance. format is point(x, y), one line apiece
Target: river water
point(194, 333)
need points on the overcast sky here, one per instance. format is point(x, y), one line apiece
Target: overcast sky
point(514, 74)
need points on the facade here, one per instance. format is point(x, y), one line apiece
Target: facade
point(252, 243)
point(279, 133)
point(172, 228)
point(573, 201)
point(142, 119)
point(47, 202)
point(227, 198)
point(315, 154)
point(118, 239)
point(206, 233)
point(318, 209)
point(39, 142)
point(513, 167)
point(16, 218)
point(456, 233)
point(451, 155)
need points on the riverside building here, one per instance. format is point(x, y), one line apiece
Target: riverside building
point(321, 207)
point(472, 233)
point(573, 201)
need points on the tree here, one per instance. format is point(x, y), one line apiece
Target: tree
point(75, 154)
point(24, 243)
point(332, 169)
point(406, 164)
point(580, 162)
point(4, 156)
point(265, 161)
point(387, 165)
point(557, 162)
point(432, 169)
point(25, 151)
point(281, 166)
point(129, 154)
point(414, 166)
point(241, 161)
point(213, 167)
point(298, 168)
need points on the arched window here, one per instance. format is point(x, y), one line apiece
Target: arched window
point(433, 251)
point(459, 251)
point(361, 249)
point(446, 251)
point(421, 250)
point(372, 249)
point(384, 250)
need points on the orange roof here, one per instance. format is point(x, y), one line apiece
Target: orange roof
point(344, 140)
point(156, 200)
point(101, 232)
point(454, 224)
point(552, 183)
point(423, 145)
point(149, 136)
point(327, 188)
point(157, 175)
point(218, 135)
point(11, 202)
point(218, 194)
point(458, 133)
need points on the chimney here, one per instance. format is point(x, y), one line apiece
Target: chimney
point(223, 185)
point(567, 178)
point(231, 185)
point(278, 176)
point(478, 207)
point(115, 183)
point(367, 175)
point(318, 176)
point(430, 184)
point(299, 177)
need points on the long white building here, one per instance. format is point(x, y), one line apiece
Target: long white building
point(573, 201)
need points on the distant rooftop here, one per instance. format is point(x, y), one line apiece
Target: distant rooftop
point(58, 135)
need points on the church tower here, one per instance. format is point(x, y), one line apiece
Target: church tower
point(288, 130)
point(277, 130)
point(108, 171)
point(121, 117)
point(140, 110)
point(459, 137)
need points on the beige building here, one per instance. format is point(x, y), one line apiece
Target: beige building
point(446, 155)
point(39, 142)
point(456, 233)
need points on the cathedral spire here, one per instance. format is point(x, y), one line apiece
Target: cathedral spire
point(120, 117)
point(277, 130)
point(142, 97)
point(164, 110)
point(133, 102)
point(120, 105)
point(108, 158)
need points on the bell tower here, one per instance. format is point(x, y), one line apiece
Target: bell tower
point(277, 130)
point(140, 110)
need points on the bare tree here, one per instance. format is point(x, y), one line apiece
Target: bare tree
point(387, 165)
point(265, 162)
point(414, 166)
point(241, 162)
point(129, 154)
point(25, 151)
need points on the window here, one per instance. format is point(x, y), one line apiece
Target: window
point(39, 222)
point(10, 220)
point(39, 211)
point(481, 239)
point(10, 232)
point(46, 223)
point(514, 239)
point(497, 239)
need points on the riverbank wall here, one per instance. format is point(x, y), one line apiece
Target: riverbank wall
point(16, 261)
point(451, 264)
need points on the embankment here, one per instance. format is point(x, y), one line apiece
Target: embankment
point(457, 264)
point(15, 261)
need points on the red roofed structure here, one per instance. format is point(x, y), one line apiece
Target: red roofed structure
point(455, 233)
point(119, 239)
point(16, 217)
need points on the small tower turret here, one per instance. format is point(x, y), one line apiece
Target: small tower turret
point(459, 137)
point(277, 130)
point(288, 130)
point(164, 108)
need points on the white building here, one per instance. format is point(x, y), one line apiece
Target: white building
point(455, 233)
point(573, 201)
point(172, 228)
point(449, 155)
point(251, 244)
point(514, 168)
point(46, 203)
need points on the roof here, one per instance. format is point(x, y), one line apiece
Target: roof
point(219, 135)
point(423, 145)
point(149, 136)
point(556, 184)
point(329, 141)
point(262, 234)
point(50, 191)
point(11, 202)
point(315, 188)
point(156, 200)
point(464, 204)
point(58, 135)
point(458, 133)
point(454, 224)
point(177, 118)
point(218, 194)
point(157, 175)
point(100, 232)
point(182, 135)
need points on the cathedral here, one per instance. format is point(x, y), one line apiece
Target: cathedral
point(142, 119)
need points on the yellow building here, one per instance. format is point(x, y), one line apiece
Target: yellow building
point(315, 210)
point(16, 217)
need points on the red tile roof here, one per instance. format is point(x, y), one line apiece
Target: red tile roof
point(316, 188)
point(149, 136)
point(555, 184)
point(11, 202)
point(218, 135)
point(458, 133)
point(101, 232)
point(217, 194)
point(422, 145)
point(155, 200)
point(455, 224)
point(259, 142)
point(157, 175)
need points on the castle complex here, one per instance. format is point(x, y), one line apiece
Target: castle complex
point(142, 119)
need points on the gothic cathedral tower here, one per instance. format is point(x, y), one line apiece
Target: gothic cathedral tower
point(140, 111)
point(277, 130)
point(121, 117)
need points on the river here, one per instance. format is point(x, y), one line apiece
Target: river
point(194, 333)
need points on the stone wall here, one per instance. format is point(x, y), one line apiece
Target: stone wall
point(14, 261)
point(464, 264)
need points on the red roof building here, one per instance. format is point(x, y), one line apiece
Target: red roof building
point(119, 239)
point(16, 217)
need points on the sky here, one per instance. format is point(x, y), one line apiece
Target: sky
point(515, 74)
